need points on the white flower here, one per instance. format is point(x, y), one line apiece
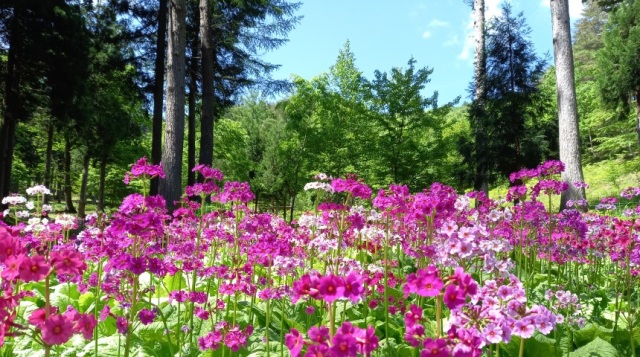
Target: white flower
point(38, 189)
point(13, 200)
point(30, 205)
point(47, 208)
point(22, 214)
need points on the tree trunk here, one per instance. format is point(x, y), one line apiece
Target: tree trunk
point(158, 92)
point(11, 98)
point(82, 204)
point(567, 104)
point(103, 175)
point(171, 185)
point(293, 202)
point(638, 113)
point(207, 60)
point(193, 92)
point(47, 165)
point(481, 182)
point(68, 193)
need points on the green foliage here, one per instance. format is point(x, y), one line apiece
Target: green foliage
point(618, 70)
point(510, 130)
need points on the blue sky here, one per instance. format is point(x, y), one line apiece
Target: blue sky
point(385, 34)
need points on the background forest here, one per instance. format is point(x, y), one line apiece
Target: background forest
point(83, 97)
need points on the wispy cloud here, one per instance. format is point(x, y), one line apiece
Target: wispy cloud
point(426, 34)
point(438, 23)
point(575, 7)
point(453, 41)
point(492, 9)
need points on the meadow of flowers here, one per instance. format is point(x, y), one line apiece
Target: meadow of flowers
point(435, 273)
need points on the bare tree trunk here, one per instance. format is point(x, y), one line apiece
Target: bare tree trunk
point(11, 99)
point(171, 185)
point(567, 104)
point(103, 175)
point(193, 92)
point(480, 71)
point(293, 203)
point(207, 56)
point(47, 165)
point(638, 113)
point(82, 204)
point(68, 193)
point(158, 92)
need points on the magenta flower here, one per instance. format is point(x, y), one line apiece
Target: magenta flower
point(434, 348)
point(210, 341)
point(318, 334)
point(11, 269)
point(146, 316)
point(428, 284)
point(85, 324)
point(122, 325)
point(34, 268)
point(353, 287)
point(294, 342)
point(344, 346)
point(367, 340)
point(56, 330)
point(453, 297)
point(68, 261)
point(331, 288)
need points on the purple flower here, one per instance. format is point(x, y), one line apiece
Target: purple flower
point(524, 328)
point(122, 325)
point(146, 316)
point(434, 348)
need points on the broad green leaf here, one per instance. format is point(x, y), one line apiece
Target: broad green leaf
point(596, 348)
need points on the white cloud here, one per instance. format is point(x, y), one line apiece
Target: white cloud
point(575, 7)
point(438, 23)
point(451, 41)
point(426, 34)
point(492, 9)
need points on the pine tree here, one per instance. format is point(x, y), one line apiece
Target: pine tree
point(513, 73)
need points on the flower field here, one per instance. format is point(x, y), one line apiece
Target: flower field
point(434, 273)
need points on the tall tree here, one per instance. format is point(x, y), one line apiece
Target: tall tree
point(171, 185)
point(478, 107)
point(618, 70)
point(208, 99)
point(569, 132)
point(405, 119)
point(158, 90)
point(513, 73)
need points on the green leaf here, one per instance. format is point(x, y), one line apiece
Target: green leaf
point(85, 301)
point(596, 348)
point(589, 333)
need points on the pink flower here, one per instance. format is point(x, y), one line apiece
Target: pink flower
point(367, 340)
point(453, 297)
point(492, 333)
point(11, 269)
point(294, 342)
point(56, 330)
point(353, 288)
point(34, 268)
point(434, 348)
point(344, 346)
point(331, 288)
point(210, 341)
point(524, 328)
point(85, 324)
point(68, 261)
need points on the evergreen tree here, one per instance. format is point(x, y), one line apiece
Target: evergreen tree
point(513, 73)
point(618, 67)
